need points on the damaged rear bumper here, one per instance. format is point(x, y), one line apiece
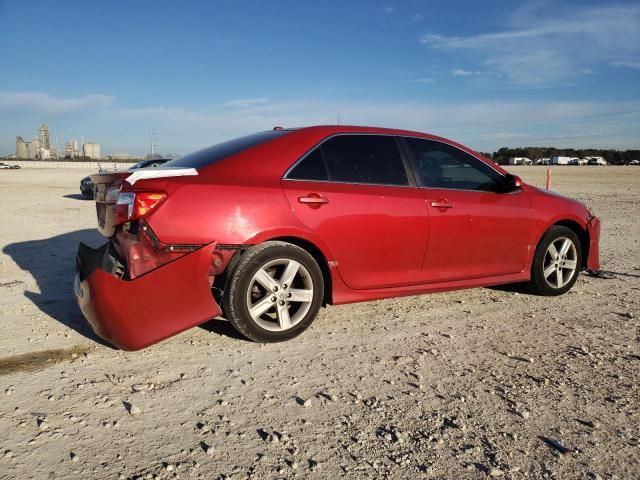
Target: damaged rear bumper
point(132, 314)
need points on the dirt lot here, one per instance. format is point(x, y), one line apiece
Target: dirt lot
point(467, 384)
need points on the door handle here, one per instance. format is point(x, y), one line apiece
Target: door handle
point(313, 199)
point(442, 203)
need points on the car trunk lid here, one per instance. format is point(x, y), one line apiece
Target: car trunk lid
point(108, 186)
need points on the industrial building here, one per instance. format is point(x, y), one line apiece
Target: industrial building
point(71, 149)
point(33, 147)
point(22, 149)
point(91, 150)
point(38, 148)
point(43, 135)
point(27, 150)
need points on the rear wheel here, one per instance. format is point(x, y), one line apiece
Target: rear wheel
point(274, 293)
point(557, 262)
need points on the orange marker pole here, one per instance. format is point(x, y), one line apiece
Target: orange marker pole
point(549, 178)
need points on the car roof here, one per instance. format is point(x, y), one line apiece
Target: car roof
point(328, 130)
point(337, 129)
point(282, 152)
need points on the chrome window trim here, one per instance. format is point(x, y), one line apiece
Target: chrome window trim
point(519, 190)
point(333, 182)
point(321, 142)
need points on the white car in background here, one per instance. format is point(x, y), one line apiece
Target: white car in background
point(5, 166)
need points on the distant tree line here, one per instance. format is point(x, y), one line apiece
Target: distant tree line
point(616, 157)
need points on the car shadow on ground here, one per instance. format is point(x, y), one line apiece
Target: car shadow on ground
point(512, 288)
point(223, 327)
point(51, 263)
point(76, 196)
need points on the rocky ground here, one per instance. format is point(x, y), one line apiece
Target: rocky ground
point(469, 384)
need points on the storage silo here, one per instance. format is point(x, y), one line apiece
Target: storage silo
point(92, 150)
point(33, 147)
point(22, 149)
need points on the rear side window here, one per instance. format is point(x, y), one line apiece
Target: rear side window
point(210, 155)
point(439, 165)
point(365, 159)
point(311, 167)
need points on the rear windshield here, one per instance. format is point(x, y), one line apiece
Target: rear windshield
point(215, 153)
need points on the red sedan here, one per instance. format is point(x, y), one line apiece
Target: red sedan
point(267, 228)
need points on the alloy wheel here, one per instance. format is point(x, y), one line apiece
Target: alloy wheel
point(280, 294)
point(560, 262)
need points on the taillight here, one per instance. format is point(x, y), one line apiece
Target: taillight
point(135, 205)
point(145, 202)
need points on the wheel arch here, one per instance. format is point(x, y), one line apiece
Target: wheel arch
point(581, 233)
point(221, 281)
point(320, 259)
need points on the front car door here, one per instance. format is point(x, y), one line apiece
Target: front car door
point(353, 191)
point(476, 228)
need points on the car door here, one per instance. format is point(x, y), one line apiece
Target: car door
point(476, 229)
point(354, 192)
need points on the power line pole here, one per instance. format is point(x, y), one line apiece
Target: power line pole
point(152, 141)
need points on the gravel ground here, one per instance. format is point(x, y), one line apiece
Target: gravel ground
point(468, 384)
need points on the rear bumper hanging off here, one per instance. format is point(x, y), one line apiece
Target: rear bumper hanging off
point(134, 314)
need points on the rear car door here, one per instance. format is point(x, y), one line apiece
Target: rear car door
point(354, 192)
point(476, 229)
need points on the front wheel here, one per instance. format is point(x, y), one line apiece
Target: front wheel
point(274, 293)
point(557, 262)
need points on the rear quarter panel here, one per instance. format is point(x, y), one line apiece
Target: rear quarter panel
point(227, 214)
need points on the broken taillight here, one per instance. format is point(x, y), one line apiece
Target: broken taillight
point(136, 205)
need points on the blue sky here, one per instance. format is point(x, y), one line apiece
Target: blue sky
point(488, 74)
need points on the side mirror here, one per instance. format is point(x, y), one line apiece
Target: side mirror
point(512, 183)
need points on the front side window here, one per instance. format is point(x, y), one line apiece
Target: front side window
point(364, 159)
point(439, 165)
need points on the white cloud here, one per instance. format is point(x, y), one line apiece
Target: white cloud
point(459, 72)
point(424, 80)
point(389, 9)
point(45, 104)
point(481, 125)
point(417, 17)
point(564, 41)
point(635, 64)
point(246, 102)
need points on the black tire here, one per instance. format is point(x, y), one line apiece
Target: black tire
point(242, 286)
point(541, 285)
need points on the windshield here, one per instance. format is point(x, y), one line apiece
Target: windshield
point(215, 153)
